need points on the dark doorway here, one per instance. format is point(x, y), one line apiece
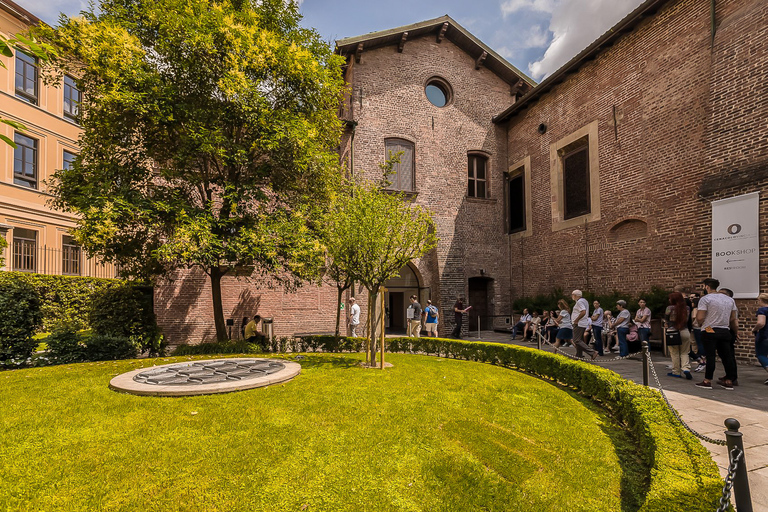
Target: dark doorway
point(396, 312)
point(479, 289)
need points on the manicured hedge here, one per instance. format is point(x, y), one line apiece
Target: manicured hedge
point(683, 475)
point(64, 298)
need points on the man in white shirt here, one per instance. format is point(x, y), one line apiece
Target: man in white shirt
point(580, 320)
point(522, 324)
point(354, 317)
point(718, 316)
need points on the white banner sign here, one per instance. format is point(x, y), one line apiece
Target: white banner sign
point(736, 244)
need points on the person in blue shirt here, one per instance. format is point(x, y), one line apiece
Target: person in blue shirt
point(431, 322)
point(761, 332)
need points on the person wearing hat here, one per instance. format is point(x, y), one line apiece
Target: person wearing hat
point(621, 325)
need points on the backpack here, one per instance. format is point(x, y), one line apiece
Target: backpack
point(632, 335)
point(431, 312)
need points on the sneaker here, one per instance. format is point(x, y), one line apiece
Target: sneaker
point(704, 385)
point(688, 375)
point(766, 382)
point(669, 367)
point(670, 374)
point(700, 368)
point(726, 384)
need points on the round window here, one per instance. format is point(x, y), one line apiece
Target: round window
point(438, 92)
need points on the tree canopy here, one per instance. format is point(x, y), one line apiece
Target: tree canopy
point(209, 136)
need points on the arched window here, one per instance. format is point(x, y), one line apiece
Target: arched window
point(403, 173)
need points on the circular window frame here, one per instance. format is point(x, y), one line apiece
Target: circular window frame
point(442, 84)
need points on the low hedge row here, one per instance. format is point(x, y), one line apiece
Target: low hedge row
point(683, 475)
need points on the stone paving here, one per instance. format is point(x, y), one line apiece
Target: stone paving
point(705, 410)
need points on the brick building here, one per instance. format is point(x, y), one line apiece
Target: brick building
point(663, 114)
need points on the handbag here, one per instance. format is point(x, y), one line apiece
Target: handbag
point(673, 337)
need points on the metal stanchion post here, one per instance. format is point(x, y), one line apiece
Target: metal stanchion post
point(478, 326)
point(538, 340)
point(645, 363)
point(733, 439)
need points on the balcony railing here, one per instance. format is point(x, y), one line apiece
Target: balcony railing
point(70, 260)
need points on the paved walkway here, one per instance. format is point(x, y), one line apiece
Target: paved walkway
point(705, 411)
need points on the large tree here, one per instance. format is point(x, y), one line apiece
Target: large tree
point(209, 136)
point(376, 233)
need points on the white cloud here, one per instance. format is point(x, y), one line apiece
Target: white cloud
point(512, 6)
point(535, 37)
point(575, 24)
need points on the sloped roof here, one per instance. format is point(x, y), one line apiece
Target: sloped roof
point(19, 12)
point(454, 32)
point(625, 26)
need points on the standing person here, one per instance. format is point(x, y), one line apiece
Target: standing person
point(354, 317)
point(580, 319)
point(459, 310)
point(522, 324)
point(413, 314)
point(761, 332)
point(431, 319)
point(643, 321)
point(563, 321)
point(718, 316)
point(701, 355)
point(677, 335)
point(597, 326)
point(621, 325)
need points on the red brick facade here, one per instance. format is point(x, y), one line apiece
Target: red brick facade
point(673, 118)
point(680, 123)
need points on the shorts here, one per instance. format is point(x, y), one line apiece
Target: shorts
point(565, 333)
point(431, 327)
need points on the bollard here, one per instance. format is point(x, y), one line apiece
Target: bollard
point(733, 438)
point(645, 363)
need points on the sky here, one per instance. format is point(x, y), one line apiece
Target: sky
point(536, 36)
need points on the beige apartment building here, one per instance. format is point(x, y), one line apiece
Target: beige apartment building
point(38, 236)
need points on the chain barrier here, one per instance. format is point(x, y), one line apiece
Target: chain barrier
point(588, 360)
point(725, 499)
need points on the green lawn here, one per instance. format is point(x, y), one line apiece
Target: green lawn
point(429, 434)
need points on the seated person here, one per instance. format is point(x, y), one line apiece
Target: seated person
point(253, 335)
point(522, 324)
point(533, 326)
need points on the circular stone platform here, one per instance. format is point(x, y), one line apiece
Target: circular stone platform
point(205, 377)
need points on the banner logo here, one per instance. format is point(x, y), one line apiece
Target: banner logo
point(734, 229)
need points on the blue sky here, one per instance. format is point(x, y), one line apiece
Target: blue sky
point(536, 36)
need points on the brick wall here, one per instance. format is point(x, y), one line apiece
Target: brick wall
point(681, 122)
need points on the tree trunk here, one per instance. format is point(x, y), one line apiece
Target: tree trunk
point(218, 311)
point(372, 346)
point(340, 291)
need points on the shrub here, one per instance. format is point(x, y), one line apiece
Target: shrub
point(65, 345)
point(219, 347)
point(105, 348)
point(19, 318)
point(126, 312)
point(63, 298)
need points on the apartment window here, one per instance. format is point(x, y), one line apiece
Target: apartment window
point(70, 254)
point(26, 77)
point(68, 160)
point(24, 250)
point(25, 161)
point(71, 98)
point(402, 177)
point(516, 195)
point(477, 176)
point(576, 183)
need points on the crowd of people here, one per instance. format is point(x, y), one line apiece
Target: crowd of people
point(697, 328)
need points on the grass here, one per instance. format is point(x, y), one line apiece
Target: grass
point(429, 434)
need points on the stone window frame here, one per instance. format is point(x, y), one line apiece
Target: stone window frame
point(25, 250)
point(23, 150)
point(442, 84)
point(73, 94)
point(557, 150)
point(477, 153)
point(521, 167)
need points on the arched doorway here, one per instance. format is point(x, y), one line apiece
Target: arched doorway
point(399, 288)
point(480, 298)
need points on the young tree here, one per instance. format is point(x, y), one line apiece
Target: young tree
point(336, 276)
point(209, 130)
point(376, 234)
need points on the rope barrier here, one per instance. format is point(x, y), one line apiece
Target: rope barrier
point(587, 360)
